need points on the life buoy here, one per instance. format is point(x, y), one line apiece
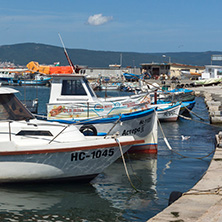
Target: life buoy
point(88, 130)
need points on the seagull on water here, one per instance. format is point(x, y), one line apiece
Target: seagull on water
point(185, 137)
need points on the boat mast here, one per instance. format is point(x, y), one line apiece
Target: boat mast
point(67, 56)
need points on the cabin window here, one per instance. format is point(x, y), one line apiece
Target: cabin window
point(34, 133)
point(73, 87)
point(12, 109)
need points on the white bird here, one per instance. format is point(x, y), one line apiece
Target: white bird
point(185, 137)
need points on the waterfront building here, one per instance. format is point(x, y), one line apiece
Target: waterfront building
point(170, 69)
point(212, 71)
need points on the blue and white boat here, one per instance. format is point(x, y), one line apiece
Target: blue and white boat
point(130, 76)
point(73, 101)
point(178, 94)
point(38, 80)
point(8, 74)
point(186, 106)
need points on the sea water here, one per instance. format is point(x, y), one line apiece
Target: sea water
point(110, 196)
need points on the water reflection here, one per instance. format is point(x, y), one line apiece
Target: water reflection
point(115, 187)
point(65, 200)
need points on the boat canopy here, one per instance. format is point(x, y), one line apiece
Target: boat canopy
point(49, 70)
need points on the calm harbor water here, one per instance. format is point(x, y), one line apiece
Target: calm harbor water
point(110, 197)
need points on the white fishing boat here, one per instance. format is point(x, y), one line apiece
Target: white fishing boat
point(168, 111)
point(35, 150)
point(72, 100)
point(8, 74)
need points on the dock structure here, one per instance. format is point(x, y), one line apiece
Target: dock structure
point(213, 100)
point(202, 203)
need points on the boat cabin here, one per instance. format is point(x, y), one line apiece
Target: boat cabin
point(11, 108)
point(71, 87)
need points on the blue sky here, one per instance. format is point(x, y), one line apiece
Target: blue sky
point(115, 25)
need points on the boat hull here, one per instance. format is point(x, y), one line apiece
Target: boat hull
point(168, 112)
point(140, 125)
point(83, 162)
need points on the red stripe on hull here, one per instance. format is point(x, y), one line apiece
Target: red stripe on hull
point(70, 149)
point(150, 148)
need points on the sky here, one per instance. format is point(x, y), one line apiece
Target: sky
point(144, 26)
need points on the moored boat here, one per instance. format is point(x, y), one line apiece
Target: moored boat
point(73, 100)
point(35, 150)
point(168, 111)
point(186, 106)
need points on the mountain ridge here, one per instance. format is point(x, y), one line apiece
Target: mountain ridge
point(23, 53)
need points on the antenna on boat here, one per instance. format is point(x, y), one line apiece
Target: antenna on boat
point(74, 69)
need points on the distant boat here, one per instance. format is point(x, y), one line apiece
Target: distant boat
point(7, 74)
point(131, 76)
point(189, 74)
point(38, 80)
point(178, 94)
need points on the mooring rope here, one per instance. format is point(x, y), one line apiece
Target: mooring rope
point(212, 191)
point(194, 113)
point(170, 148)
point(124, 163)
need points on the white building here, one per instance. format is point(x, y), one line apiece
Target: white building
point(212, 71)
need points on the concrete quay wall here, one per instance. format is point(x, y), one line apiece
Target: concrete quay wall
point(213, 99)
point(202, 203)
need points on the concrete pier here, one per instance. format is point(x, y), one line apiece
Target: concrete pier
point(202, 203)
point(213, 100)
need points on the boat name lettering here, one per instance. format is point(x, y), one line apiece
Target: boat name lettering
point(170, 113)
point(133, 131)
point(93, 155)
point(145, 121)
point(129, 104)
point(103, 107)
point(72, 110)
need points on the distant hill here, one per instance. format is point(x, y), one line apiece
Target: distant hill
point(22, 54)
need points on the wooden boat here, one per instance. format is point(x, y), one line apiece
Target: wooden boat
point(35, 150)
point(72, 100)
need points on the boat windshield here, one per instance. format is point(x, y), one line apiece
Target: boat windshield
point(73, 87)
point(89, 89)
point(12, 109)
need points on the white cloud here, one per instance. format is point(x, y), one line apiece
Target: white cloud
point(98, 19)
